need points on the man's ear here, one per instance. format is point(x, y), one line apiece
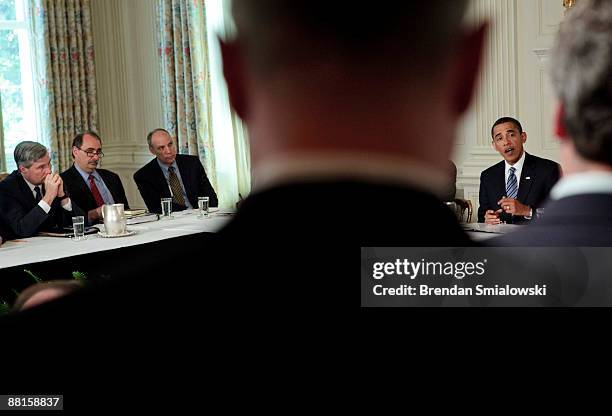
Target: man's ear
point(22, 169)
point(234, 73)
point(560, 130)
point(467, 67)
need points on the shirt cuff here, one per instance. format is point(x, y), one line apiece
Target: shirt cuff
point(67, 205)
point(44, 206)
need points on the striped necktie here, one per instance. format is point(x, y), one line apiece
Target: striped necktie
point(512, 185)
point(175, 186)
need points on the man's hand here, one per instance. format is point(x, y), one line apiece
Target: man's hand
point(514, 207)
point(95, 214)
point(52, 185)
point(60, 192)
point(492, 217)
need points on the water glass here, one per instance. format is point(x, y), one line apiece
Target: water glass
point(166, 205)
point(78, 227)
point(203, 206)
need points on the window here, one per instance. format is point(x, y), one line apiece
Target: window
point(16, 78)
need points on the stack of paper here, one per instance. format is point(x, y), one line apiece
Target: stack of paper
point(129, 213)
point(139, 219)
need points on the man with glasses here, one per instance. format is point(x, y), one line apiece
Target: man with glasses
point(89, 186)
point(32, 198)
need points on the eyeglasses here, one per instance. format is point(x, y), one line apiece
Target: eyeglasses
point(91, 153)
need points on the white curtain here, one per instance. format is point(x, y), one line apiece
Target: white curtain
point(231, 144)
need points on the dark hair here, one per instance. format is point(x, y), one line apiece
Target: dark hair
point(581, 68)
point(78, 139)
point(151, 133)
point(409, 34)
point(507, 120)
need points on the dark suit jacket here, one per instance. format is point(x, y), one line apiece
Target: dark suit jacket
point(542, 174)
point(81, 194)
point(346, 212)
point(285, 264)
point(153, 185)
point(580, 220)
point(21, 215)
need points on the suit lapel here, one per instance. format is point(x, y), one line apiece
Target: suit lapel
point(82, 186)
point(500, 180)
point(26, 192)
point(161, 179)
point(525, 184)
point(180, 162)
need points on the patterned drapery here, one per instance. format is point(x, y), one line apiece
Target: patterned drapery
point(65, 73)
point(185, 79)
point(2, 158)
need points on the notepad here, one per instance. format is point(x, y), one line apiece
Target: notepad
point(129, 213)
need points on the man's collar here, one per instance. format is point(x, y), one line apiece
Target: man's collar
point(310, 167)
point(165, 167)
point(84, 174)
point(30, 185)
point(594, 182)
point(518, 165)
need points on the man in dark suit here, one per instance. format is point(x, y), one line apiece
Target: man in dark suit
point(32, 198)
point(89, 186)
point(169, 175)
point(346, 152)
point(503, 197)
point(580, 209)
point(339, 148)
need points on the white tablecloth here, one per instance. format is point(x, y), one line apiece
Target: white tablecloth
point(38, 249)
point(480, 231)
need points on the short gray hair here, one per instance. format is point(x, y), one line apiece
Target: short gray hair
point(582, 77)
point(26, 153)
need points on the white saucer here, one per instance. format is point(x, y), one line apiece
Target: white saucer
point(125, 234)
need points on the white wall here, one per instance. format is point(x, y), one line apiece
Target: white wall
point(514, 82)
point(128, 83)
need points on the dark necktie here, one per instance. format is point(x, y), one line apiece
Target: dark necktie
point(512, 185)
point(175, 185)
point(38, 194)
point(95, 192)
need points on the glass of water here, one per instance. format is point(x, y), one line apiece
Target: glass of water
point(203, 207)
point(166, 206)
point(78, 227)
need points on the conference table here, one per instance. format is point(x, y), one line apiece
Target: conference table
point(57, 257)
point(481, 232)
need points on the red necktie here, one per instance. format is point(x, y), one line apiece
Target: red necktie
point(95, 192)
